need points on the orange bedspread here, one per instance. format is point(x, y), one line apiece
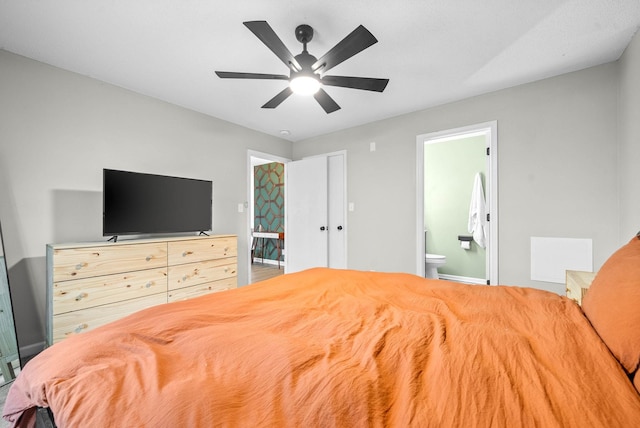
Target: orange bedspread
point(326, 348)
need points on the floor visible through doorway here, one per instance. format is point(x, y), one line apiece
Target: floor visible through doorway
point(262, 271)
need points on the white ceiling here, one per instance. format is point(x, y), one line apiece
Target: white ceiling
point(433, 51)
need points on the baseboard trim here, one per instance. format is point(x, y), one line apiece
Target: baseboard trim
point(464, 279)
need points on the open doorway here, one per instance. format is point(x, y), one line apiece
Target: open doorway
point(265, 214)
point(450, 164)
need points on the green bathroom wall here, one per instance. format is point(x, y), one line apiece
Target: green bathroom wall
point(269, 204)
point(450, 168)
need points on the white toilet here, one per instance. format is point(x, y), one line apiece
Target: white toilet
point(432, 261)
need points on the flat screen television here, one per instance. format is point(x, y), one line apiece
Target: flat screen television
point(136, 203)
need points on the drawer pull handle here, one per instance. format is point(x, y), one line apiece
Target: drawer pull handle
point(186, 253)
point(80, 296)
point(148, 258)
point(80, 328)
point(226, 249)
point(148, 284)
point(184, 278)
point(79, 266)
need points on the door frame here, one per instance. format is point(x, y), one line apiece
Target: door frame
point(491, 130)
point(253, 154)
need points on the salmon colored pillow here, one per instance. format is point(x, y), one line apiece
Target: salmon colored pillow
point(612, 304)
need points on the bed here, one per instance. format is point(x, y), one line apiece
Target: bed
point(344, 348)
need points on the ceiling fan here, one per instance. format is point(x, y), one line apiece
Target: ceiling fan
point(306, 72)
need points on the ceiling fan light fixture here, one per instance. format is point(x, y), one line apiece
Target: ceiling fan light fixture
point(304, 85)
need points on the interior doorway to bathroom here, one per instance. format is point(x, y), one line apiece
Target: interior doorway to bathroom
point(449, 212)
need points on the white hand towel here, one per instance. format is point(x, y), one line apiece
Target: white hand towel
point(477, 213)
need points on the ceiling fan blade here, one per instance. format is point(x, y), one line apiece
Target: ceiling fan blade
point(265, 33)
point(275, 101)
point(365, 83)
point(327, 103)
point(234, 75)
point(357, 41)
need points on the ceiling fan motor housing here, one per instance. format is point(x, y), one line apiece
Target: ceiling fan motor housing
point(305, 60)
point(304, 81)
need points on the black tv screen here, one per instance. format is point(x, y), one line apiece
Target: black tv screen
point(137, 203)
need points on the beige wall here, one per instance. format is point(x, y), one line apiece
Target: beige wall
point(557, 171)
point(629, 154)
point(59, 129)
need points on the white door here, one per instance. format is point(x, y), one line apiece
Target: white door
point(336, 207)
point(306, 243)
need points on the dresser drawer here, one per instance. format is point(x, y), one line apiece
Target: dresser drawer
point(202, 289)
point(196, 250)
point(198, 273)
point(70, 323)
point(87, 292)
point(85, 262)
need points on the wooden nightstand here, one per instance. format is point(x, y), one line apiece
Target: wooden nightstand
point(578, 282)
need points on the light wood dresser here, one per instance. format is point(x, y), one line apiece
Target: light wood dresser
point(578, 282)
point(91, 284)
